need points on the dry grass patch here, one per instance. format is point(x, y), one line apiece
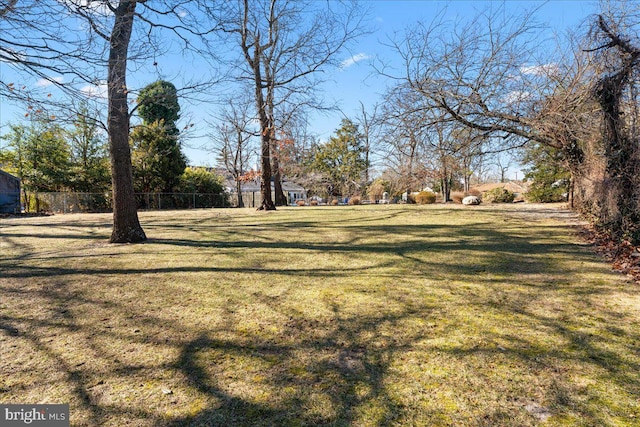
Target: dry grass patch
point(349, 316)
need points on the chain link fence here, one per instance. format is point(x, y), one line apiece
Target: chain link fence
point(67, 202)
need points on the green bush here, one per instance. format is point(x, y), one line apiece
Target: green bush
point(499, 195)
point(425, 198)
point(546, 193)
point(198, 180)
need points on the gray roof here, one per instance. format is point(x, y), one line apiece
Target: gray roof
point(254, 186)
point(8, 175)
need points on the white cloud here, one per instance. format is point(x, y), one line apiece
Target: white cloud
point(515, 97)
point(539, 70)
point(10, 56)
point(95, 91)
point(353, 60)
point(50, 81)
point(96, 7)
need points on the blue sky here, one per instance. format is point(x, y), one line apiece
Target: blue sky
point(358, 82)
point(355, 81)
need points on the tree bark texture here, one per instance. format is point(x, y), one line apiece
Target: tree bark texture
point(239, 192)
point(265, 135)
point(281, 198)
point(620, 149)
point(126, 227)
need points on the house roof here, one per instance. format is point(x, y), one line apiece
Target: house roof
point(250, 186)
point(7, 174)
point(254, 186)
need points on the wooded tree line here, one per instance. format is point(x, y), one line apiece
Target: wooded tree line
point(464, 90)
point(50, 157)
point(490, 85)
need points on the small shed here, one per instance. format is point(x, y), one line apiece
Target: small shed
point(9, 193)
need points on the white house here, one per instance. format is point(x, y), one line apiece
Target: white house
point(292, 190)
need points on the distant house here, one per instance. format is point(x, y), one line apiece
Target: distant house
point(9, 193)
point(292, 190)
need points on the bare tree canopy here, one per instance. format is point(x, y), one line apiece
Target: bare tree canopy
point(283, 46)
point(85, 49)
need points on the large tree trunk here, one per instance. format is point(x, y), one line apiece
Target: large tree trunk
point(126, 227)
point(239, 192)
point(620, 154)
point(265, 163)
point(265, 134)
point(619, 147)
point(281, 199)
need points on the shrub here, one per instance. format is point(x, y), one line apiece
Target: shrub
point(355, 200)
point(457, 196)
point(544, 193)
point(499, 195)
point(300, 202)
point(199, 180)
point(425, 198)
point(334, 202)
point(314, 203)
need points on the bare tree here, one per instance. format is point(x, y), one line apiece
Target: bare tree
point(620, 56)
point(285, 45)
point(71, 45)
point(486, 75)
point(370, 124)
point(427, 142)
point(126, 227)
point(403, 130)
point(232, 138)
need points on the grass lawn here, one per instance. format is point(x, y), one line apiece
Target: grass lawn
point(337, 316)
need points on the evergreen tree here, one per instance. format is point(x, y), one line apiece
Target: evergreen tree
point(547, 172)
point(39, 155)
point(89, 155)
point(342, 160)
point(158, 161)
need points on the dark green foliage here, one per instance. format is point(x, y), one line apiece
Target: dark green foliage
point(547, 172)
point(157, 101)
point(39, 155)
point(158, 161)
point(198, 180)
point(341, 160)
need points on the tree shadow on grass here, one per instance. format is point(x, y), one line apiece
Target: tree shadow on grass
point(333, 370)
point(338, 381)
point(340, 367)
